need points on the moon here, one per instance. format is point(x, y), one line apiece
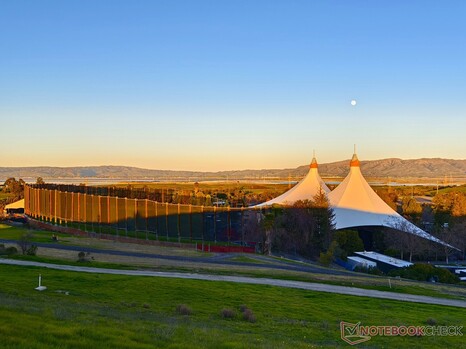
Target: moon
point(353, 102)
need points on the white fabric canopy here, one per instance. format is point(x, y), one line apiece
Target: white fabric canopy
point(15, 205)
point(306, 189)
point(356, 204)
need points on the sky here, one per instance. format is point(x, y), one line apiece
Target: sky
point(232, 84)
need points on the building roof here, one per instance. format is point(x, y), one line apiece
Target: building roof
point(15, 205)
point(384, 259)
point(363, 261)
point(306, 189)
point(355, 204)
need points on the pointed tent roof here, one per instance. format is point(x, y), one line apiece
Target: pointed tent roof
point(15, 205)
point(356, 204)
point(306, 189)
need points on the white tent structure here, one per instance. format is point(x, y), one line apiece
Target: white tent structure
point(355, 204)
point(14, 206)
point(305, 189)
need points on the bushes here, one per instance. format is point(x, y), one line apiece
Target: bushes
point(84, 257)
point(10, 251)
point(31, 251)
point(248, 315)
point(183, 309)
point(349, 242)
point(26, 245)
point(227, 313)
point(425, 272)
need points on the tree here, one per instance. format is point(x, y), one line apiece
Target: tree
point(450, 216)
point(268, 224)
point(389, 197)
point(14, 187)
point(26, 245)
point(349, 242)
point(412, 209)
point(309, 226)
point(40, 181)
point(407, 237)
point(459, 235)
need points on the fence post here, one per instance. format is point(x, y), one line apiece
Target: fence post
point(202, 226)
point(108, 208)
point(228, 224)
point(156, 221)
point(85, 211)
point(50, 206)
point(92, 212)
point(99, 218)
point(136, 218)
point(72, 206)
point(166, 216)
point(126, 216)
point(179, 222)
point(215, 224)
point(116, 215)
point(242, 225)
point(191, 222)
point(79, 210)
point(66, 208)
point(146, 203)
point(38, 203)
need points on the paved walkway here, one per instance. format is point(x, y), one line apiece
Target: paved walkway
point(353, 291)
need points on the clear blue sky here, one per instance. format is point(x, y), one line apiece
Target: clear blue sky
point(216, 85)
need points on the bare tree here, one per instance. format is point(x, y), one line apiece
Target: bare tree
point(408, 239)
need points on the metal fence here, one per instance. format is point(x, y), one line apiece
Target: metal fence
point(140, 217)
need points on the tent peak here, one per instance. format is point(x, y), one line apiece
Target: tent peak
point(354, 161)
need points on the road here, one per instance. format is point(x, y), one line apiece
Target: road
point(279, 264)
point(353, 291)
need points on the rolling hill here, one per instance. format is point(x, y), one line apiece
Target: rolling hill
point(393, 167)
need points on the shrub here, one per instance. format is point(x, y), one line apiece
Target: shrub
point(227, 313)
point(32, 250)
point(248, 315)
point(183, 309)
point(25, 243)
point(431, 321)
point(84, 257)
point(425, 272)
point(349, 242)
point(10, 251)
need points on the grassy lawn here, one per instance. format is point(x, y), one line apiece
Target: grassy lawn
point(15, 233)
point(110, 311)
point(101, 261)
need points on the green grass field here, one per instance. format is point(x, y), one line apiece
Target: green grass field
point(353, 280)
point(110, 311)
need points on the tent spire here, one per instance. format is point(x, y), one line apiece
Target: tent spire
point(354, 160)
point(314, 161)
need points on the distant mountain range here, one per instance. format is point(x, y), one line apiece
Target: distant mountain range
point(393, 168)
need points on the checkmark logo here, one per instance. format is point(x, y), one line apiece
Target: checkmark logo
point(350, 333)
